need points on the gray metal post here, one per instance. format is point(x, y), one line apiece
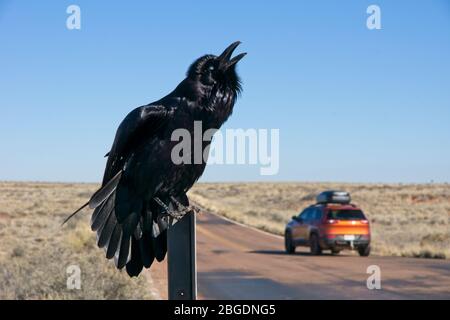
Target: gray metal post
point(181, 259)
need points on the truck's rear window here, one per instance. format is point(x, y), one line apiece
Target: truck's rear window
point(345, 215)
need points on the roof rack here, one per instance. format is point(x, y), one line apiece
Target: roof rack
point(332, 196)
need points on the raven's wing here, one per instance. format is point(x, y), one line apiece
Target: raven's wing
point(114, 231)
point(139, 125)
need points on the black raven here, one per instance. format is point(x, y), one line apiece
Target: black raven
point(143, 189)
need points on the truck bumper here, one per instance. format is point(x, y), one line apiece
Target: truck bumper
point(339, 242)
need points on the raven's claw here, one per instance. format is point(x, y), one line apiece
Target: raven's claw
point(181, 209)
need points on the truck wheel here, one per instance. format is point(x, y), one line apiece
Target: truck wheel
point(289, 246)
point(335, 252)
point(314, 245)
point(364, 251)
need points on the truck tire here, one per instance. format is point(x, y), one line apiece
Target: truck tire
point(335, 252)
point(315, 245)
point(288, 243)
point(364, 251)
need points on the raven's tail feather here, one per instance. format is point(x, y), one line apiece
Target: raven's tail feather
point(132, 242)
point(105, 191)
point(105, 232)
point(103, 212)
point(99, 196)
point(146, 250)
point(143, 252)
point(123, 255)
point(78, 210)
point(115, 237)
point(148, 247)
point(129, 248)
point(135, 265)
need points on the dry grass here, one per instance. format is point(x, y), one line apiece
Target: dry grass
point(406, 220)
point(35, 251)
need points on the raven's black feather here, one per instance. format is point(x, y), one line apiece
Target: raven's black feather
point(104, 192)
point(122, 255)
point(114, 241)
point(146, 249)
point(135, 265)
point(160, 246)
point(103, 214)
point(75, 212)
point(128, 228)
point(106, 231)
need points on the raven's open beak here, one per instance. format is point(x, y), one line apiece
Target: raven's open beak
point(224, 58)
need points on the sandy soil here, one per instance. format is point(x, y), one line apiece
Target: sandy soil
point(35, 251)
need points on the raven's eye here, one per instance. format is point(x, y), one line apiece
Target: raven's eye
point(211, 68)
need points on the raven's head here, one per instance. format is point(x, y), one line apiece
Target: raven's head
point(217, 72)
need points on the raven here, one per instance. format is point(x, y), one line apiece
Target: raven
point(143, 189)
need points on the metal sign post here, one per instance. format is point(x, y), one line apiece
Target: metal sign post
point(181, 259)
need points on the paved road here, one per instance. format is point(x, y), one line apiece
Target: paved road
point(236, 262)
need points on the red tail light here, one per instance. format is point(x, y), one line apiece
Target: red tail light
point(365, 221)
point(330, 236)
point(332, 221)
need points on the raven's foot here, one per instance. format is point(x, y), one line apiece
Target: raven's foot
point(180, 211)
point(172, 213)
point(183, 208)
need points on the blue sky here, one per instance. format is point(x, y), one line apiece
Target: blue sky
point(313, 70)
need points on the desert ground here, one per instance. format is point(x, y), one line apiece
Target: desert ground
point(35, 251)
point(406, 220)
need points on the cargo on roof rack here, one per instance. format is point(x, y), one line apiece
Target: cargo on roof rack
point(332, 196)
